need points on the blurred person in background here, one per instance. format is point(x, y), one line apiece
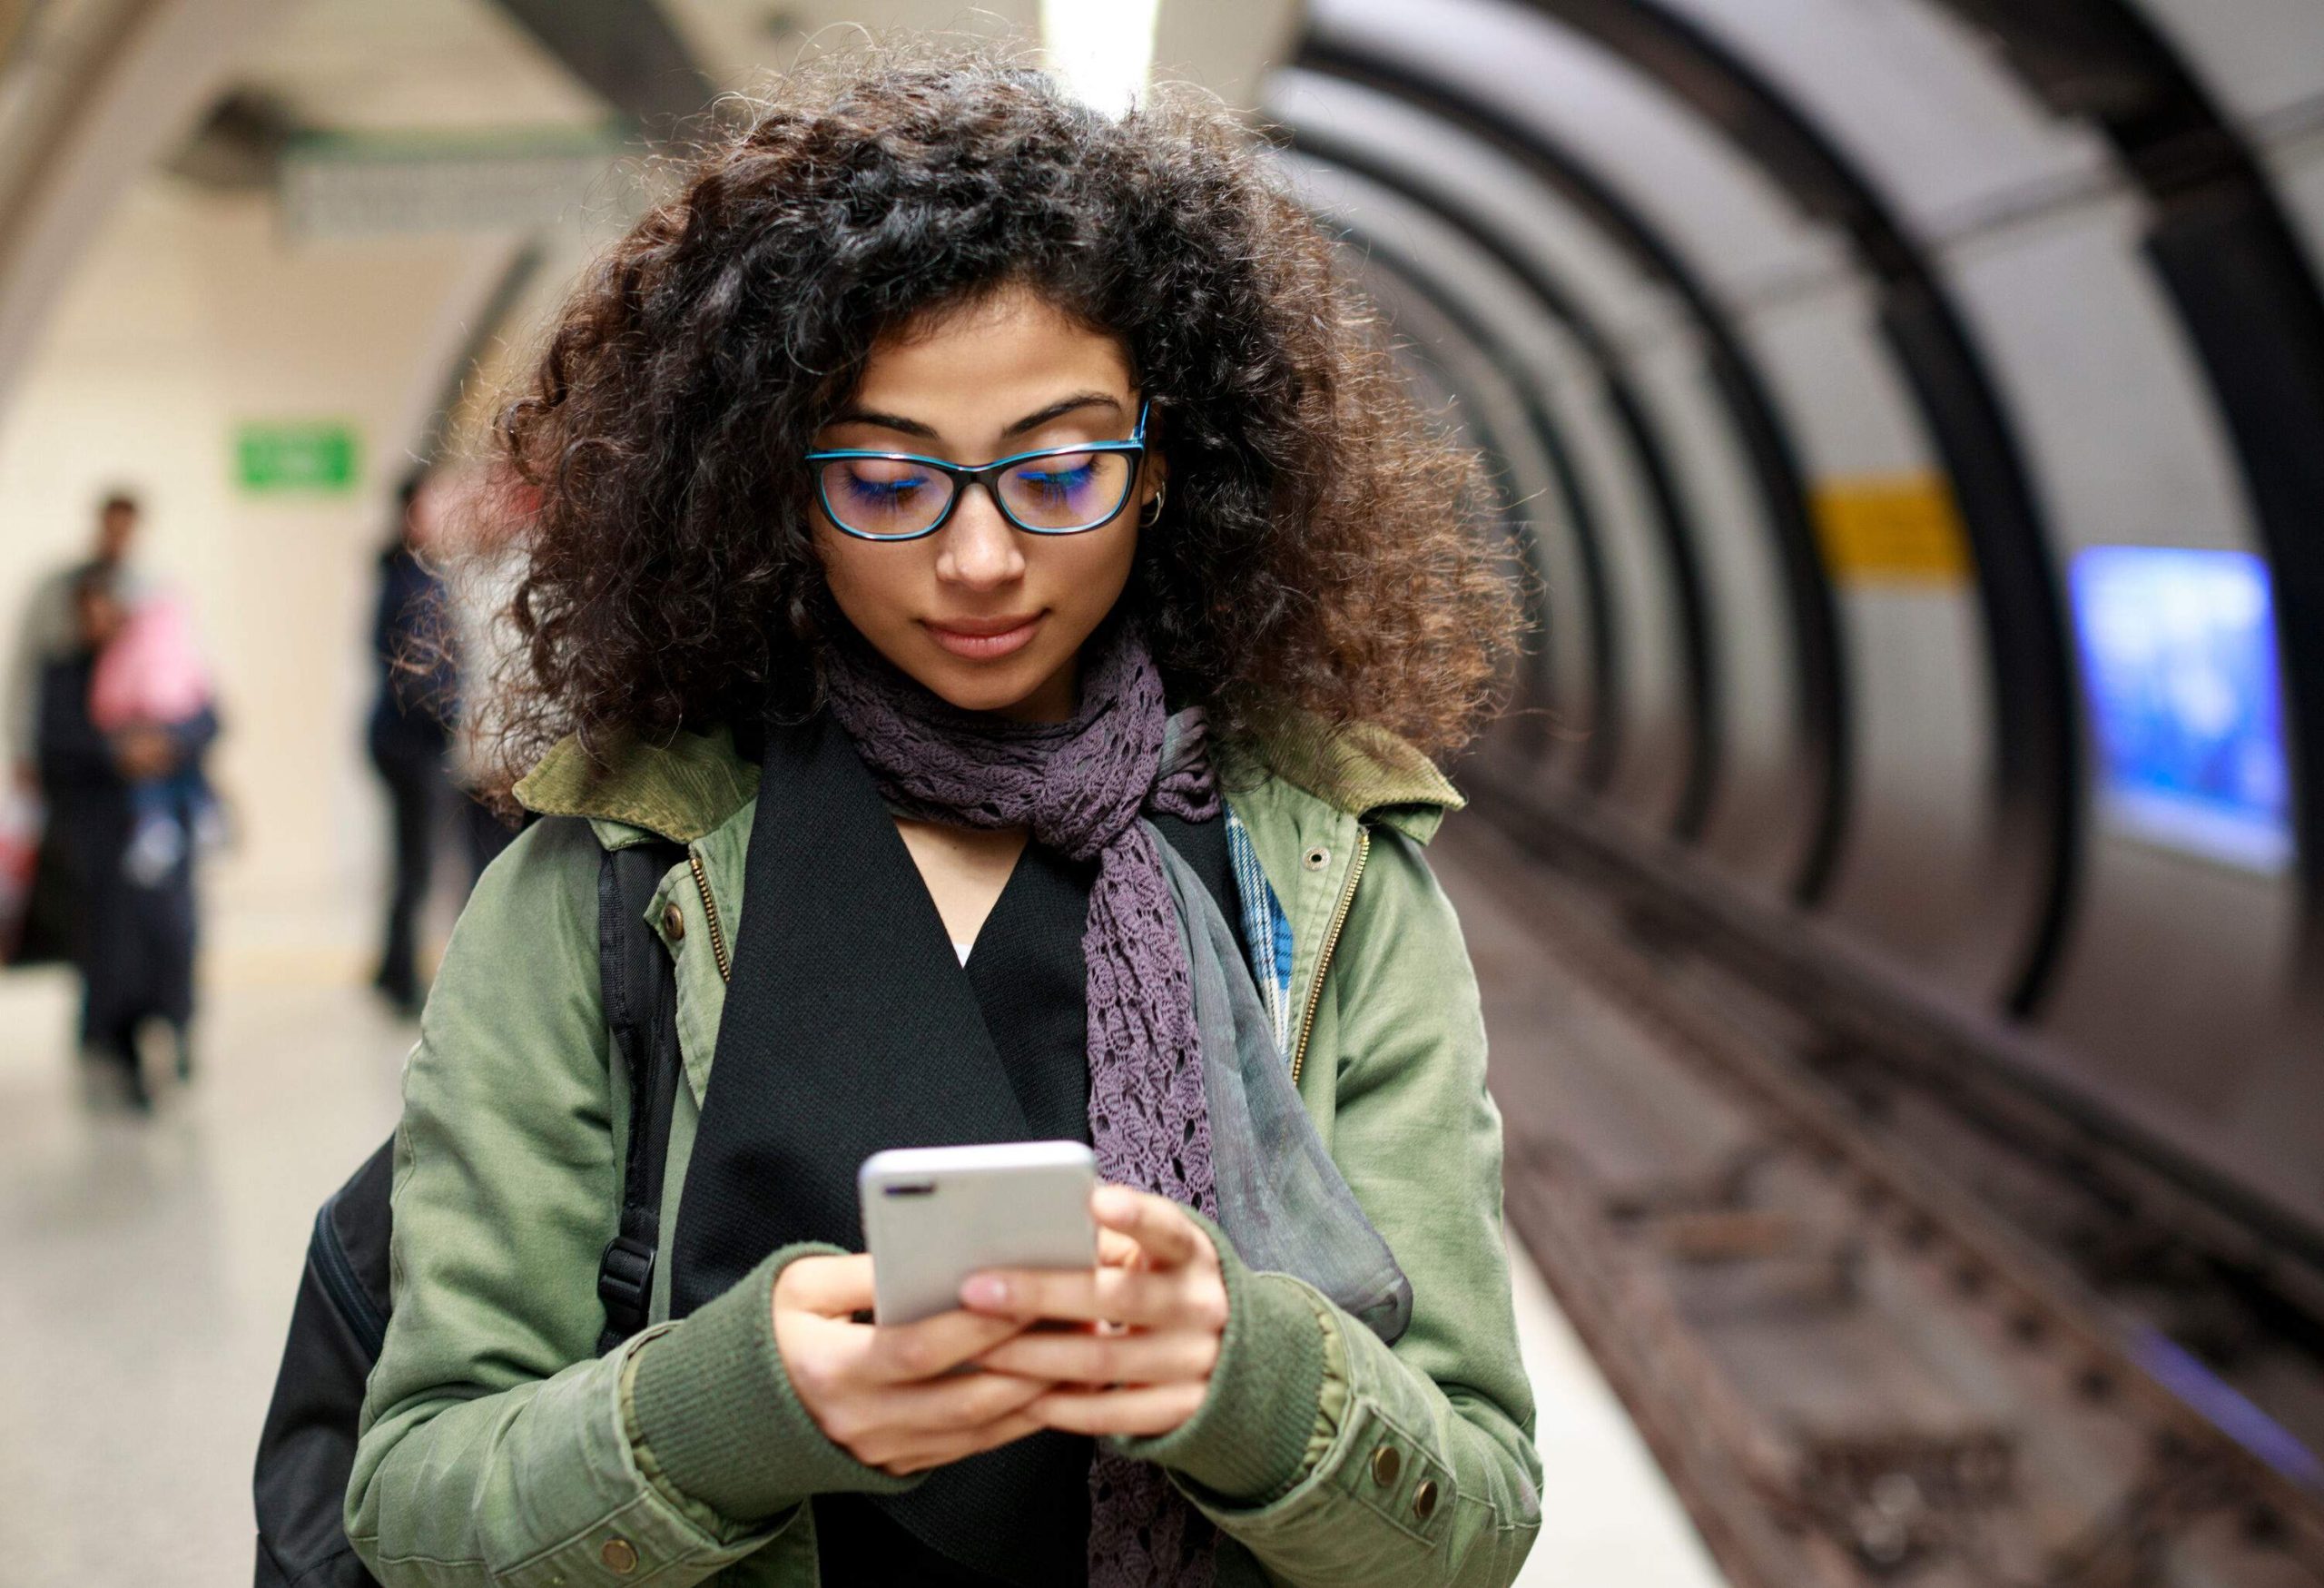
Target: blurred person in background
point(151, 675)
point(411, 729)
point(122, 721)
point(49, 628)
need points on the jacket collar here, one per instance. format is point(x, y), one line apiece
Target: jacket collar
point(1357, 769)
point(688, 786)
point(679, 790)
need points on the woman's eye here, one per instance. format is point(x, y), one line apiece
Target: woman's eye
point(885, 491)
point(1055, 480)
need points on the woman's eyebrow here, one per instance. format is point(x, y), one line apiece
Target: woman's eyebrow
point(886, 421)
point(1034, 421)
point(1031, 421)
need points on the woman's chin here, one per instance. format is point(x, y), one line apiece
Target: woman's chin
point(1005, 688)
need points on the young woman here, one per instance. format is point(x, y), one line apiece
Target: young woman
point(993, 539)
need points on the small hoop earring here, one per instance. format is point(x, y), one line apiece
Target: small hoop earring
point(1153, 514)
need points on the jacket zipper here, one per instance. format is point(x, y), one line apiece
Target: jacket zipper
point(1331, 942)
point(710, 913)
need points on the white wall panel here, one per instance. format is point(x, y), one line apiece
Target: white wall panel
point(2118, 422)
point(2256, 57)
point(1911, 875)
point(2297, 167)
point(1761, 816)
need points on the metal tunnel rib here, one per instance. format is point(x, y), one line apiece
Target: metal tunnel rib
point(1605, 654)
point(1678, 534)
point(1607, 693)
point(1820, 680)
point(2039, 755)
point(1488, 441)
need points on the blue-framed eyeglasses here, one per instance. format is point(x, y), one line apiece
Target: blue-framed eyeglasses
point(901, 496)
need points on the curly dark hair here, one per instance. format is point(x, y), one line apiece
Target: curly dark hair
point(1325, 546)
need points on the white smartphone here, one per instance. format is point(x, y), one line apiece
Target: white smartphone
point(932, 1216)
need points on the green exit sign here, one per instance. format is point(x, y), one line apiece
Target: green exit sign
point(310, 456)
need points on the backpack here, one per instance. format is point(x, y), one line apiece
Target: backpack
point(306, 1448)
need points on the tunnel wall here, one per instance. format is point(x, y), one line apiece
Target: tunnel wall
point(1871, 328)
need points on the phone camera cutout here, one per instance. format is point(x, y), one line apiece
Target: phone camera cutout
point(920, 1188)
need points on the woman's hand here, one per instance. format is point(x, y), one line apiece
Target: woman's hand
point(889, 1397)
point(1157, 1306)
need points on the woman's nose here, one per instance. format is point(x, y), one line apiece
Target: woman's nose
point(980, 550)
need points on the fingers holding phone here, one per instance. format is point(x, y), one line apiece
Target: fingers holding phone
point(1094, 1310)
point(1155, 1315)
point(891, 1396)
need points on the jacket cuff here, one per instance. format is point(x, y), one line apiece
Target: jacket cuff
point(717, 1418)
point(1265, 1418)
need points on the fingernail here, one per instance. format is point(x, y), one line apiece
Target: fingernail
point(984, 1291)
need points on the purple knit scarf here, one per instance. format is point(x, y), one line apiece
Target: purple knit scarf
point(1079, 788)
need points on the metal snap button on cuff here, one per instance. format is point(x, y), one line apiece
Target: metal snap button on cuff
point(674, 924)
point(620, 1556)
point(1424, 1499)
point(1385, 1464)
point(1317, 858)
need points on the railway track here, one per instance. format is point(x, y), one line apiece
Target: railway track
point(1877, 1331)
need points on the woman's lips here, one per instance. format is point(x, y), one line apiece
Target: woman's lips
point(982, 641)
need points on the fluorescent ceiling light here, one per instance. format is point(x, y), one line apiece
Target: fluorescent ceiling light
point(1103, 49)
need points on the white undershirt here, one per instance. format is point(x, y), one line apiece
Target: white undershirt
point(962, 949)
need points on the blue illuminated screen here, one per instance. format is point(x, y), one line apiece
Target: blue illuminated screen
point(2179, 652)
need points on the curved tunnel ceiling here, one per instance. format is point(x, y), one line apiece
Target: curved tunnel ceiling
point(2064, 259)
point(1678, 540)
point(2037, 752)
point(1483, 326)
point(2037, 748)
point(2218, 238)
point(1503, 164)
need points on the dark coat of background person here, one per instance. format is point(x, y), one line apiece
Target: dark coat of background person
point(410, 734)
point(137, 948)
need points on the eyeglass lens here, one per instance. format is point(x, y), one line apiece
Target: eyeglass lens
point(884, 497)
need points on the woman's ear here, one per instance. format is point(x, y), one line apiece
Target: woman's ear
point(1153, 483)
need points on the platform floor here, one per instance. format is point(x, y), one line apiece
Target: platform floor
point(147, 1265)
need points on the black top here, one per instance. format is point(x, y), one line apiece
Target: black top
point(851, 1026)
point(1035, 1002)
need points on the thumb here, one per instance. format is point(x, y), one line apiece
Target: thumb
point(834, 1286)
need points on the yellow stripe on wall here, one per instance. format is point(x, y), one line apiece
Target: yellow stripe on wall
point(1891, 530)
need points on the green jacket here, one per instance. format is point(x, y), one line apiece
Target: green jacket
point(496, 1447)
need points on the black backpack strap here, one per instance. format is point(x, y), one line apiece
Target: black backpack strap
point(640, 989)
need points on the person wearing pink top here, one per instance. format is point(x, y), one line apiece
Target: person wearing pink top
point(124, 797)
point(152, 677)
